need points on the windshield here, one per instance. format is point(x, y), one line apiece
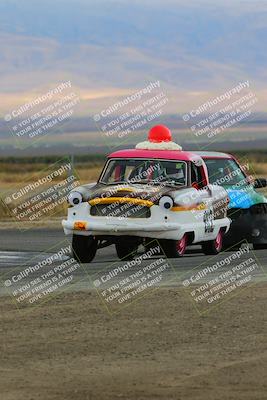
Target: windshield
point(225, 172)
point(145, 171)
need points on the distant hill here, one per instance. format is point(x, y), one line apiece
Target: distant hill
point(67, 149)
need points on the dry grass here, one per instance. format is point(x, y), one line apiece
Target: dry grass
point(88, 174)
point(260, 169)
point(13, 175)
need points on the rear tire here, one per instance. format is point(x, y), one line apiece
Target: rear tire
point(214, 246)
point(84, 248)
point(126, 248)
point(175, 248)
point(259, 246)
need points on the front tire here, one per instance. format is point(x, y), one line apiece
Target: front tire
point(215, 246)
point(175, 248)
point(84, 248)
point(126, 248)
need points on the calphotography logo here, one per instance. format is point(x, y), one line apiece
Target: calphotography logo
point(44, 276)
point(44, 114)
point(41, 196)
point(220, 114)
point(220, 278)
point(119, 121)
point(121, 284)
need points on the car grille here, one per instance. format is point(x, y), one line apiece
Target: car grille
point(120, 210)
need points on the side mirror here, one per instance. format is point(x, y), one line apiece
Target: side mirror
point(260, 183)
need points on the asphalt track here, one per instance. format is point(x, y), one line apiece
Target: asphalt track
point(20, 249)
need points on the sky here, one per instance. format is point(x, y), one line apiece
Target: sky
point(111, 48)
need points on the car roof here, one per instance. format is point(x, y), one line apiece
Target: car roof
point(212, 154)
point(156, 154)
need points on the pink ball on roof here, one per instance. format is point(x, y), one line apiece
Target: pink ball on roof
point(159, 133)
point(159, 138)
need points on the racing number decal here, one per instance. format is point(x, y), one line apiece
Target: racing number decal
point(208, 219)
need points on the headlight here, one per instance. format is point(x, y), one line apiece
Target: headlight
point(166, 202)
point(75, 198)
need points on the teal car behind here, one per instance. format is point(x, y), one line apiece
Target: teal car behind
point(248, 204)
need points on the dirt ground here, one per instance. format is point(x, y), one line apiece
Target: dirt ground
point(158, 348)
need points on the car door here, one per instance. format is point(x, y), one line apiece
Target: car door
point(205, 214)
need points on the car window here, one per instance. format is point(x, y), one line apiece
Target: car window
point(145, 171)
point(197, 179)
point(122, 171)
point(225, 172)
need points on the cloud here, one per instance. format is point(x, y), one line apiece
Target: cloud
point(196, 49)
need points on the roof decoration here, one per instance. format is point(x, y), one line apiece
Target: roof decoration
point(159, 138)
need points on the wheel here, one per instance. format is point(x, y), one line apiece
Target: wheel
point(84, 248)
point(126, 248)
point(213, 246)
point(259, 246)
point(175, 248)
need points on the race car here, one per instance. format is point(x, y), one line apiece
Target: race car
point(155, 191)
point(247, 207)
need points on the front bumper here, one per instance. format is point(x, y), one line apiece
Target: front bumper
point(162, 224)
point(124, 226)
point(158, 225)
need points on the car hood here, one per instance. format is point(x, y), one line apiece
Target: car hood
point(147, 192)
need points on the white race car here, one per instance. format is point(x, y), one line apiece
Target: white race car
point(155, 191)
